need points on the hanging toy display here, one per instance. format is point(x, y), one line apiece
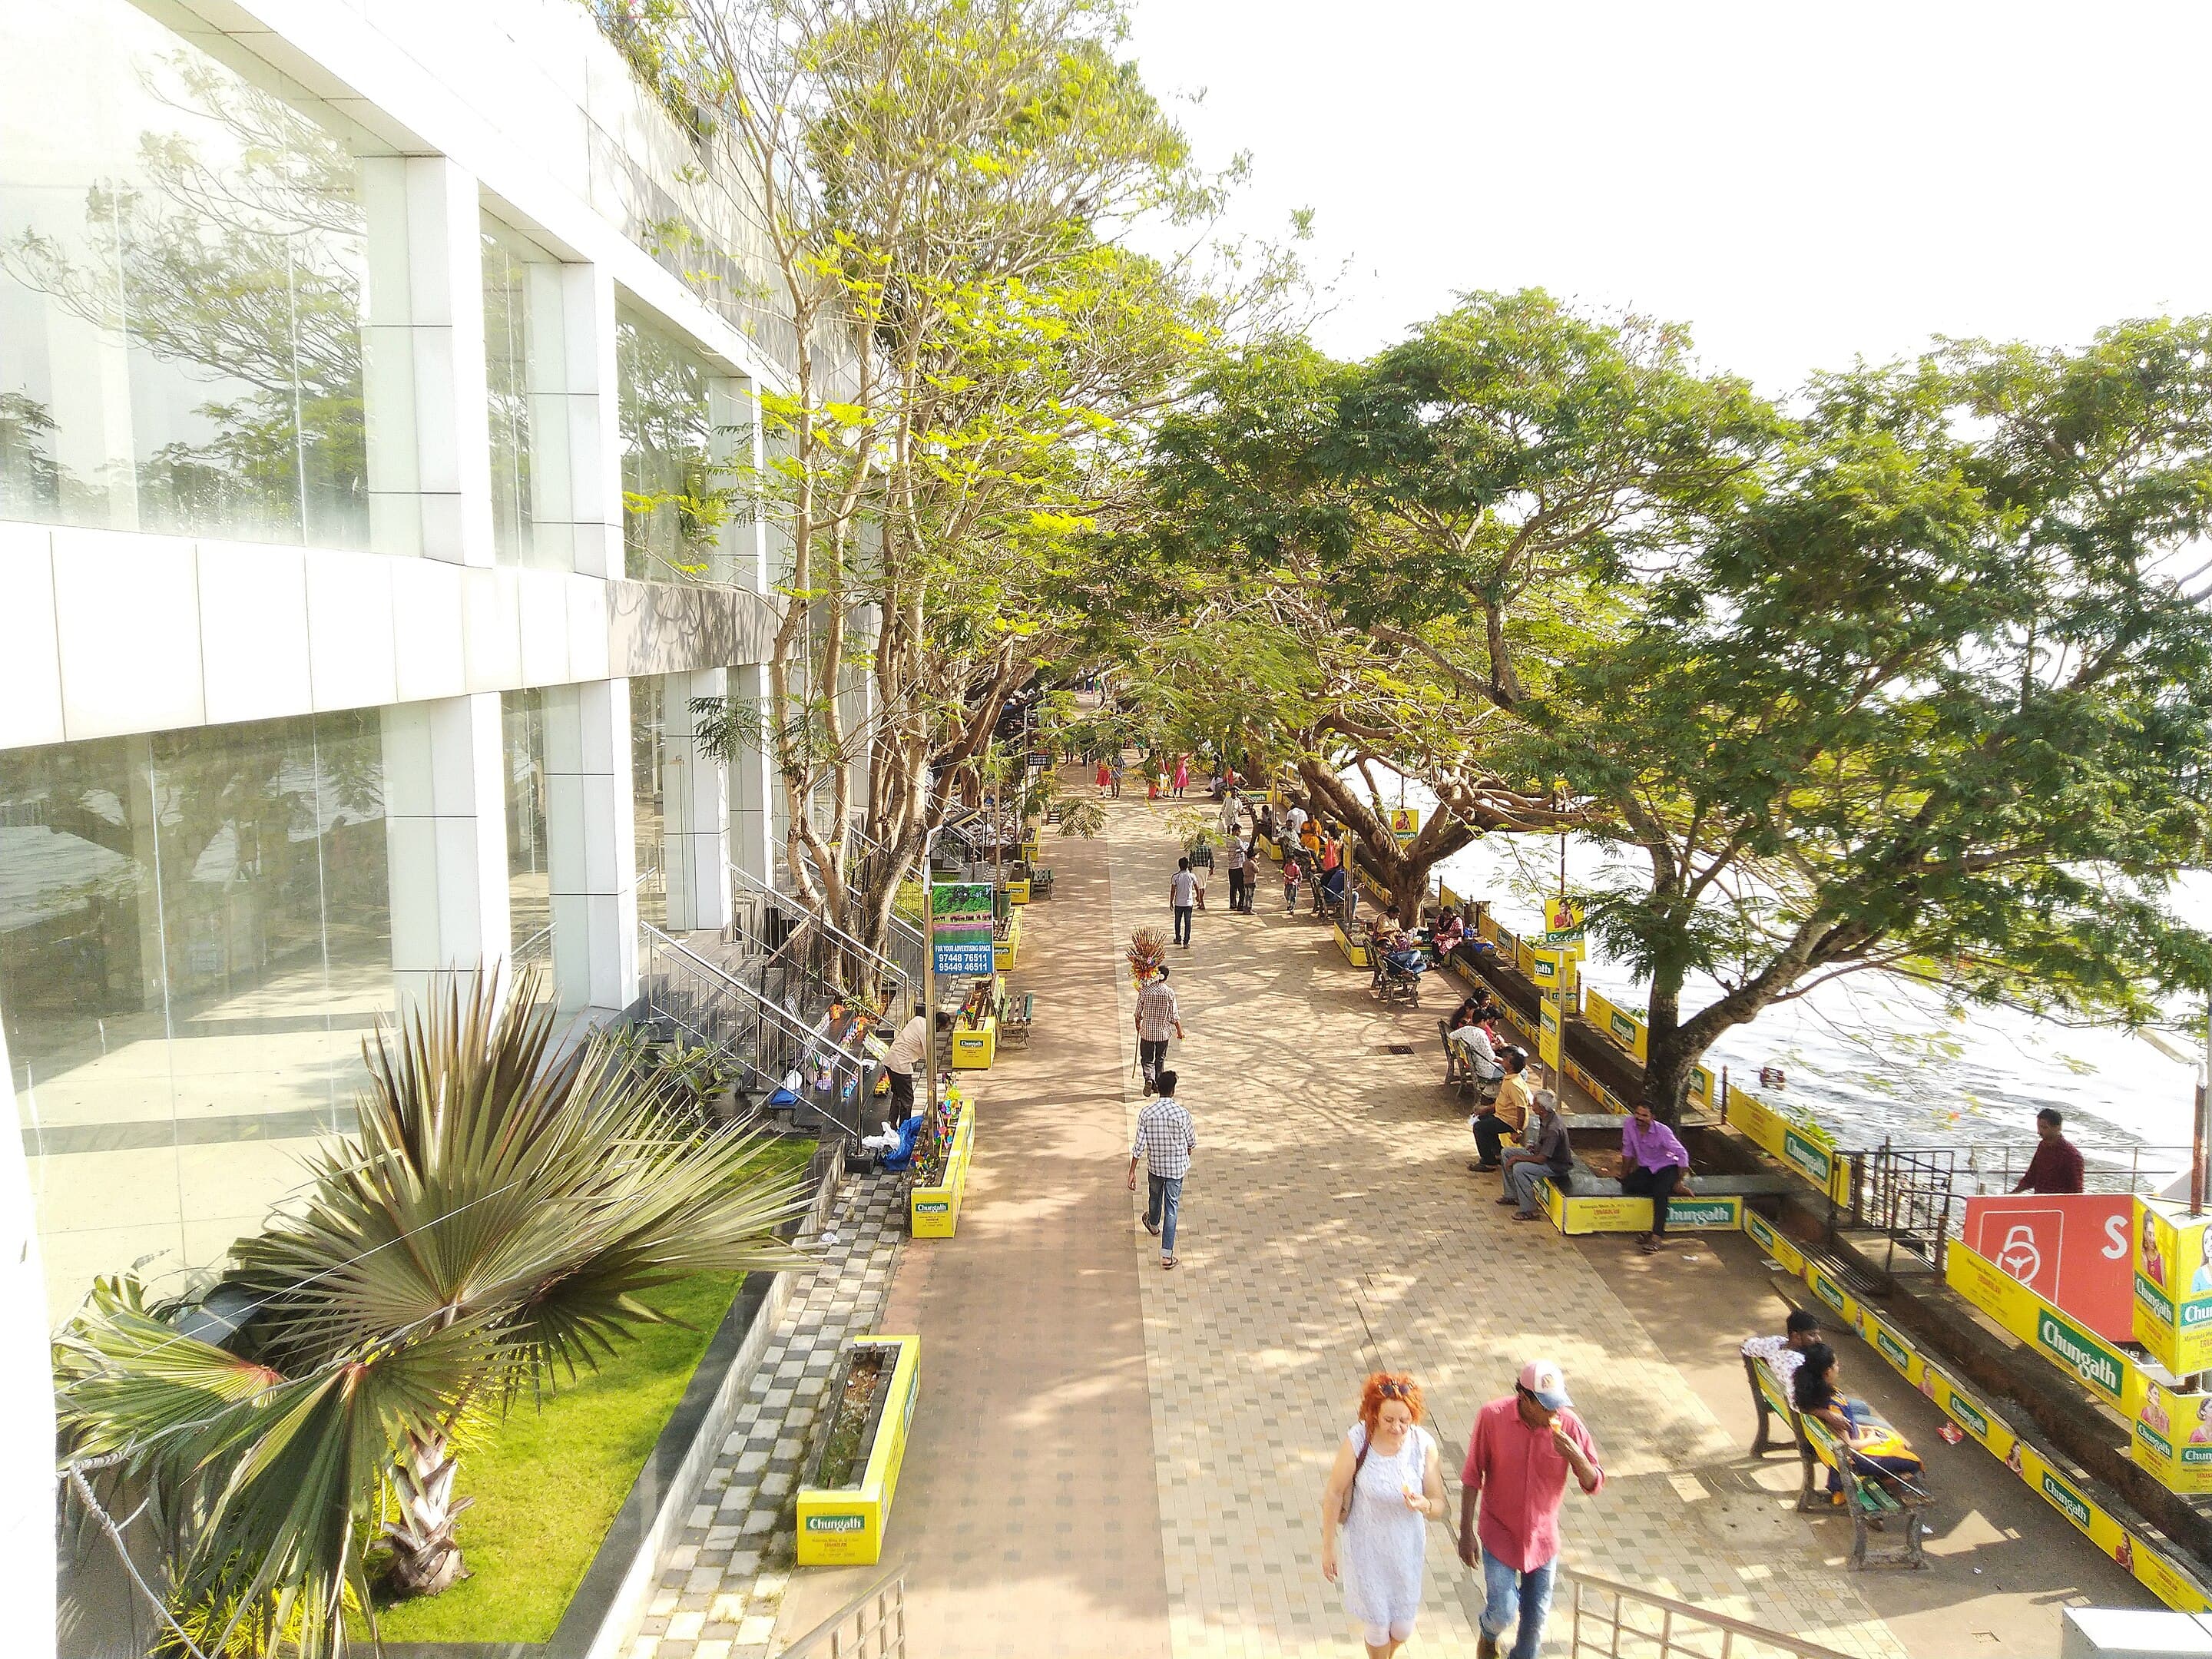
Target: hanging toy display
point(1148, 953)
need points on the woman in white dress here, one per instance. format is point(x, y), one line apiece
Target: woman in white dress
point(1386, 1483)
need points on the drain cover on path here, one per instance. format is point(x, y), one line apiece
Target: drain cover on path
point(1397, 1047)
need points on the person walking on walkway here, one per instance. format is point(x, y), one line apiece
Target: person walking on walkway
point(1182, 899)
point(1547, 1155)
point(1105, 776)
point(1518, 1457)
point(1158, 1018)
point(1237, 873)
point(1386, 1481)
point(1653, 1165)
point(1290, 884)
point(1182, 775)
point(1165, 1140)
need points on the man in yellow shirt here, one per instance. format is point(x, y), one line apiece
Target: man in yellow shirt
point(1507, 1115)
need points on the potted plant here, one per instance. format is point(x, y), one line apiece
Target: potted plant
point(845, 1502)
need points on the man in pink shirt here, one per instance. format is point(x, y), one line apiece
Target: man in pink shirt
point(1518, 1459)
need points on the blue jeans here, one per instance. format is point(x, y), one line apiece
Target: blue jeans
point(1163, 1197)
point(1502, 1587)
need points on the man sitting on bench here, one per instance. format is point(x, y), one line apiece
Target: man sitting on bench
point(1654, 1165)
point(1785, 1352)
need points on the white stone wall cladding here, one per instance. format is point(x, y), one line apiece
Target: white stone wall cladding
point(104, 633)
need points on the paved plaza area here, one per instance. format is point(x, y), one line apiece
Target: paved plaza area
point(1112, 1460)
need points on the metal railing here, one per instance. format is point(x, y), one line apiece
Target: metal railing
point(1994, 1166)
point(1618, 1622)
point(1907, 1194)
point(828, 952)
point(871, 1626)
point(772, 1046)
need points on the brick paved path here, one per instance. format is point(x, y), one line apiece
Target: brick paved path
point(722, 1586)
point(1330, 1225)
point(1109, 1460)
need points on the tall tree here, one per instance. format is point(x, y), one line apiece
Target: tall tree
point(945, 185)
point(1937, 699)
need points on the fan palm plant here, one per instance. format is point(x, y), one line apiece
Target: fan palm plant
point(484, 1233)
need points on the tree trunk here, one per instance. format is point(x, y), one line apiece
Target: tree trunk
point(1668, 1058)
point(425, 1558)
point(1402, 867)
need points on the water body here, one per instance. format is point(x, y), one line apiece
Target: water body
point(1873, 1055)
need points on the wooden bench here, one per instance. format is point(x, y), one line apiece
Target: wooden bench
point(1015, 1017)
point(1872, 1505)
point(1771, 1401)
point(1459, 1064)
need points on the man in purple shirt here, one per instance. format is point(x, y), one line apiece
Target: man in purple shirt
point(1652, 1165)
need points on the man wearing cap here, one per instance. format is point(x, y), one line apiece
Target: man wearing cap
point(1518, 1459)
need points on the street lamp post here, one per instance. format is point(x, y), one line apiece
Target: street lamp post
point(928, 978)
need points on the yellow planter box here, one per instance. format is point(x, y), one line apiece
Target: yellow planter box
point(974, 1051)
point(1355, 951)
point(1574, 1216)
point(1030, 850)
point(1017, 892)
point(1003, 950)
point(934, 1211)
point(843, 1526)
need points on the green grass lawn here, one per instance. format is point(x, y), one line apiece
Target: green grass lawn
point(548, 1479)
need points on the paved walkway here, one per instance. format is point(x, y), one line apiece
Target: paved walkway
point(1112, 1461)
point(1332, 1227)
point(722, 1587)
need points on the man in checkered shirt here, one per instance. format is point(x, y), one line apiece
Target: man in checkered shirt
point(1165, 1140)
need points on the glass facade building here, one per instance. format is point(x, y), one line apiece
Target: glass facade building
point(183, 261)
point(195, 935)
point(361, 545)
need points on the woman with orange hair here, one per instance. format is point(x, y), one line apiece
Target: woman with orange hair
point(1386, 1483)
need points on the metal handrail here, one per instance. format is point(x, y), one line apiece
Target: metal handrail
point(768, 1040)
point(1738, 1636)
point(805, 917)
point(880, 1629)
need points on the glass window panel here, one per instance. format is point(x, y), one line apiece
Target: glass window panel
point(195, 936)
point(648, 750)
point(674, 494)
point(182, 261)
point(529, 885)
point(525, 384)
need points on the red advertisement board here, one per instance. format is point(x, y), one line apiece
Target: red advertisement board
point(2071, 1248)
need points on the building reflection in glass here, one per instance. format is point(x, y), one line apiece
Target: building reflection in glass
point(182, 260)
point(673, 492)
point(195, 936)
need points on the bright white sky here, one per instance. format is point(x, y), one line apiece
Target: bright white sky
point(1801, 184)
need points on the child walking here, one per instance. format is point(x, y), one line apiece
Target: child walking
point(1289, 886)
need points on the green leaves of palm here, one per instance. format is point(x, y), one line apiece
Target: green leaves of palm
point(259, 1482)
point(492, 1219)
point(488, 1184)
